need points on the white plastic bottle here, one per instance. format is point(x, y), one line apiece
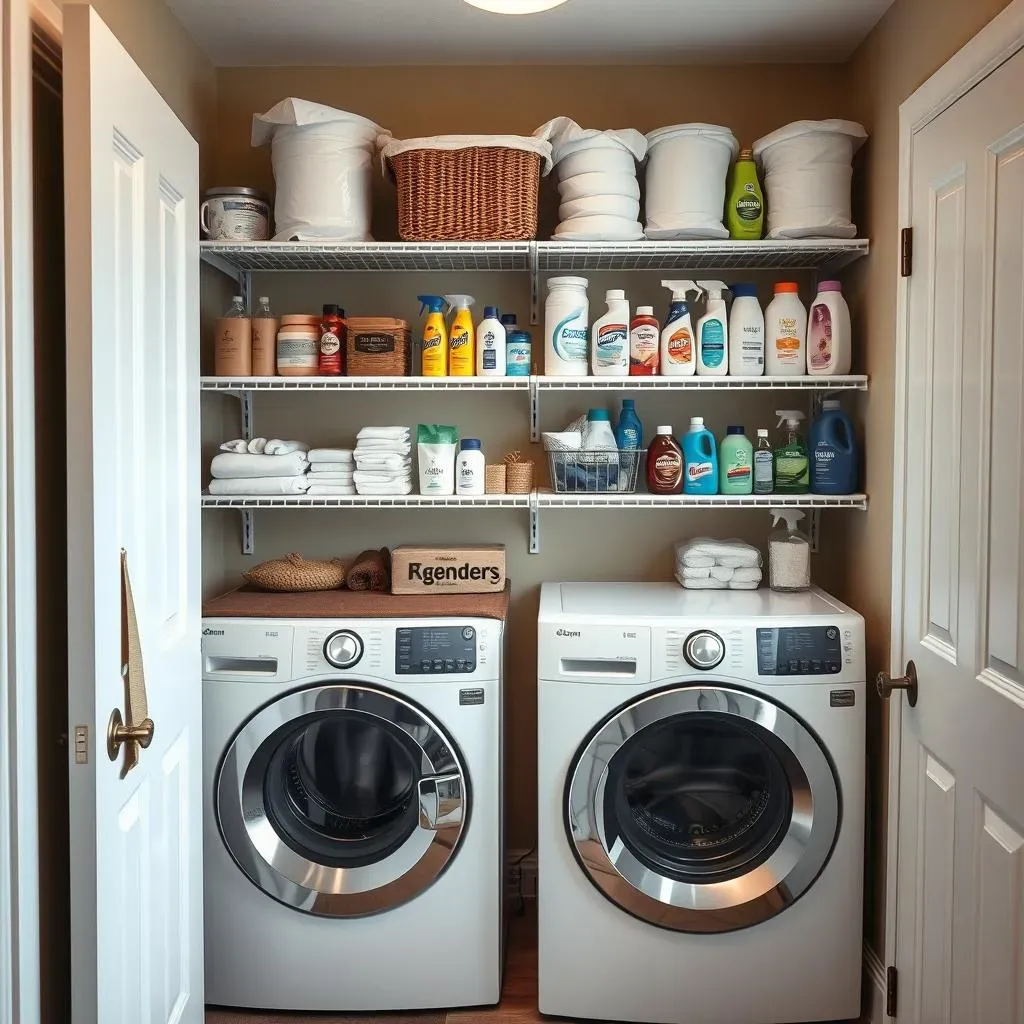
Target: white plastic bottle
point(713, 333)
point(829, 345)
point(469, 468)
point(746, 332)
point(678, 351)
point(566, 327)
point(490, 344)
point(785, 333)
point(609, 338)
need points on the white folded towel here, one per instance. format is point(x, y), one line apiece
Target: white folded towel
point(689, 573)
point(746, 574)
point(239, 446)
point(260, 485)
point(401, 447)
point(731, 553)
point(383, 433)
point(257, 446)
point(232, 466)
point(380, 478)
point(735, 584)
point(382, 460)
point(708, 584)
point(315, 489)
point(391, 488)
point(695, 560)
point(330, 455)
point(278, 447)
point(330, 478)
point(332, 467)
point(721, 572)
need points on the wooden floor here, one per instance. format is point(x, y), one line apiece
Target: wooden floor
point(518, 998)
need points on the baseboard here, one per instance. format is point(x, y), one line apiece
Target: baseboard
point(874, 988)
point(521, 876)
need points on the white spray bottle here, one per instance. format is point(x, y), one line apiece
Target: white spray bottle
point(713, 333)
point(678, 352)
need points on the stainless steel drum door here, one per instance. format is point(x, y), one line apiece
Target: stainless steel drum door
point(702, 809)
point(341, 800)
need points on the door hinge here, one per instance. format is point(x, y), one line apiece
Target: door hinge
point(81, 744)
point(892, 984)
point(906, 252)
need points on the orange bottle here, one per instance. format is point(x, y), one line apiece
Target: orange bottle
point(664, 464)
point(644, 342)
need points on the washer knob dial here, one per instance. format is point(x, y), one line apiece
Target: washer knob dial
point(343, 649)
point(704, 649)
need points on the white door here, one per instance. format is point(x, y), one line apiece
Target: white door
point(133, 450)
point(960, 912)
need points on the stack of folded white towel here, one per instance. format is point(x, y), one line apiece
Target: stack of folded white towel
point(331, 471)
point(383, 461)
point(705, 564)
point(260, 467)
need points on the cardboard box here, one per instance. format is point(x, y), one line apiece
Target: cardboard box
point(476, 569)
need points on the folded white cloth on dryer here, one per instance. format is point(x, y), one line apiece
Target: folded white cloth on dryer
point(705, 584)
point(331, 455)
point(689, 573)
point(722, 573)
point(735, 584)
point(696, 560)
point(731, 553)
point(261, 485)
point(746, 574)
point(234, 466)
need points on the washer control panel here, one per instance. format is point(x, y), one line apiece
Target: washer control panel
point(800, 651)
point(435, 650)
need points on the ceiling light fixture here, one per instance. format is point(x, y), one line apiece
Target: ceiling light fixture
point(515, 6)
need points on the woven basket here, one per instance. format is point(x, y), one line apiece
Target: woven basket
point(377, 346)
point(476, 194)
point(294, 574)
point(519, 477)
point(494, 479)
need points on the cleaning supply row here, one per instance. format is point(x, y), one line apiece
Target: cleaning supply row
point(783, 340)
point(496, 347)
point(698, 183)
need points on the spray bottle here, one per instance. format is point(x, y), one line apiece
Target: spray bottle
point(789, 552)
point(461, 348)
point(678, 358)
point(792, 467)
point(435, 337)
point(713, 333)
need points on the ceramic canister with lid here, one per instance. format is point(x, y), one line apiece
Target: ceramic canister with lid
point(298, 345)
point(235, 214)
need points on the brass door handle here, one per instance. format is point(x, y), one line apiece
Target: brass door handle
point(118, 733)
point(884, 684)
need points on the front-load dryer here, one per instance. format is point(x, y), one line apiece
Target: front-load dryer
point(353, 813)
point(701, 800)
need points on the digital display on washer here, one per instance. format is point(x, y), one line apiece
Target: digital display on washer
point(435, 650)
point(799, 651)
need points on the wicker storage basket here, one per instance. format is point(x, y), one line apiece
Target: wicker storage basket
point(519, 477)
point(377, 346)
point(494, 479)
point(294, 574)
point(467, 188)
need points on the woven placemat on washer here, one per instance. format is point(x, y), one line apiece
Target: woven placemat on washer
point(218, 1016)
point(249, 603)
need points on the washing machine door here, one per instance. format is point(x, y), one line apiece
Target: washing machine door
point(341, 800)
point(702, 809)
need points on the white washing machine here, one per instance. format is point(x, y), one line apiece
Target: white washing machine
point(353, 813)
point(701, 789)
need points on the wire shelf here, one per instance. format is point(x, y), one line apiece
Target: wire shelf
point(235, 384)
point(368, 501)
point(549, 499)
point(827, 255)
point(846, 383)
point(367, 256)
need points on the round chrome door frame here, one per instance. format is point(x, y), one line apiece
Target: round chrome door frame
point(787, 873)
point(288, 876)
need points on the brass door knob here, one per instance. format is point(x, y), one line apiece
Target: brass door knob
point(885, 684)
point(118, 733)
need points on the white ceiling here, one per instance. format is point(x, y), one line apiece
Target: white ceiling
point(276, 33)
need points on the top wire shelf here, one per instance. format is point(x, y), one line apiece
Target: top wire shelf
point(822, 255)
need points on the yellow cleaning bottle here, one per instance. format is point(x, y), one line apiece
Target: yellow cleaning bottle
point(461, 347)
point(435, 337)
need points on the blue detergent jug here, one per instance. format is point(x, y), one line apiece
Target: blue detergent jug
point(832, 449)
point(700, 459)
point(629, 432)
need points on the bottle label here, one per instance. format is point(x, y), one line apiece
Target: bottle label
point(329, 343)
point(819, 344)
point(698, 470)
point(764, 472)
point(643, 348)
point(748, 206)
point(712, 343)
point(570, 337)
point(460, 338)
point(668, 468)
point(490, 359)
point(739, 471)
point(610, 345)
point(518, 360)
point(431, 339)
point(680, 346)
point(752, 345)
point(630, 439)
point(298, 353)
point(791, 471)
point(787, 341)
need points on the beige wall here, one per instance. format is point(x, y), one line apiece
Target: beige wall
point(912, 41)
point(170, 58)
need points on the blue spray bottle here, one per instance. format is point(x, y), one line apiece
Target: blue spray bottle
point(700, 459)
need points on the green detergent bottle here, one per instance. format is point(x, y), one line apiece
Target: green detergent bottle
point(744, 209)
point(792, 466)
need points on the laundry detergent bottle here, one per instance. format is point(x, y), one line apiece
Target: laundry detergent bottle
point(700, 459)
point(736, 463)
point(792, 472)
point(678, 353)
point(434, 351)
point(609, 345)
point(713, 333)
point(833, 451)
point(461, 348)
point(629, 431)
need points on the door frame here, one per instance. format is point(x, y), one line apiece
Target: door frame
point(1001, 39)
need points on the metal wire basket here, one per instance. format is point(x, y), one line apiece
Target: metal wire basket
point(595, 472)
